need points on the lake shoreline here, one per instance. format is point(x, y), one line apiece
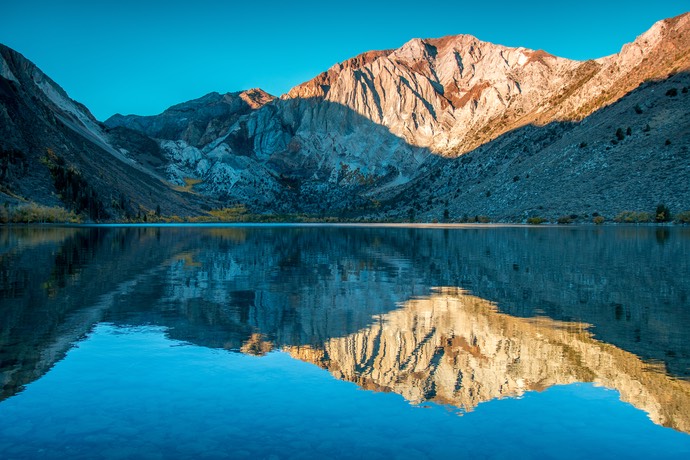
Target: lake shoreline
point(339, 224)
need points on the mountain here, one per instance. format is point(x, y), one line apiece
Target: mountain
point(629, 156)
point(55, 153)
point(455, 93)
point(436, 129)
point(194, 139)
point(384, 126)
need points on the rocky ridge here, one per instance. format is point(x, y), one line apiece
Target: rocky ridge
point(197, 122)
point(454, 93)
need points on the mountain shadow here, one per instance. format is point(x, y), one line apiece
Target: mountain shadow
point(296, 155)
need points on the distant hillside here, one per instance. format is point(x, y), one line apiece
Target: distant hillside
point(196, 122)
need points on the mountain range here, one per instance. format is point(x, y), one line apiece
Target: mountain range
point(439, 129)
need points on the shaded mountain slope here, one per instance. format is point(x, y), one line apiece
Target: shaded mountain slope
point(55, 153)
point(197, 122)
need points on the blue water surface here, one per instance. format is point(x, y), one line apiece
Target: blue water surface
point(133, 393)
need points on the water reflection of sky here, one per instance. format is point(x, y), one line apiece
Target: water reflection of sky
point(132, 392)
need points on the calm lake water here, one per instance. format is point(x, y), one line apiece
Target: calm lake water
point(344, 342)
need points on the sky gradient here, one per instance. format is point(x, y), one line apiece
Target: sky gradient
point(142, 56)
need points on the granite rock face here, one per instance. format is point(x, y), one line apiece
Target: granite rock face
point(454, 93)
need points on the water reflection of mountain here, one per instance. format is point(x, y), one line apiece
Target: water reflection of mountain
point(243, 288)
point(212, 287)
point(457, 349)
point(55, 284)
point(303, 286)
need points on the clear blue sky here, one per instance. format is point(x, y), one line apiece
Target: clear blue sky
point(139, 56)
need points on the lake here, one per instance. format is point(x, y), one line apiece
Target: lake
point(344, 342)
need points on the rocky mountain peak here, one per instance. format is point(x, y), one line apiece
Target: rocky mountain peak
point(415, 50)
point(31, 82)
point(256, 97)
point(667, 29)
point(321, 84)
point(455, 93)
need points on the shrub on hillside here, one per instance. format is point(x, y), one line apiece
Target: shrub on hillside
point(598, 220)
point(33, 213)
point(536, 220)
point(662, 214)
point(683, 217)
point(632, 217)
